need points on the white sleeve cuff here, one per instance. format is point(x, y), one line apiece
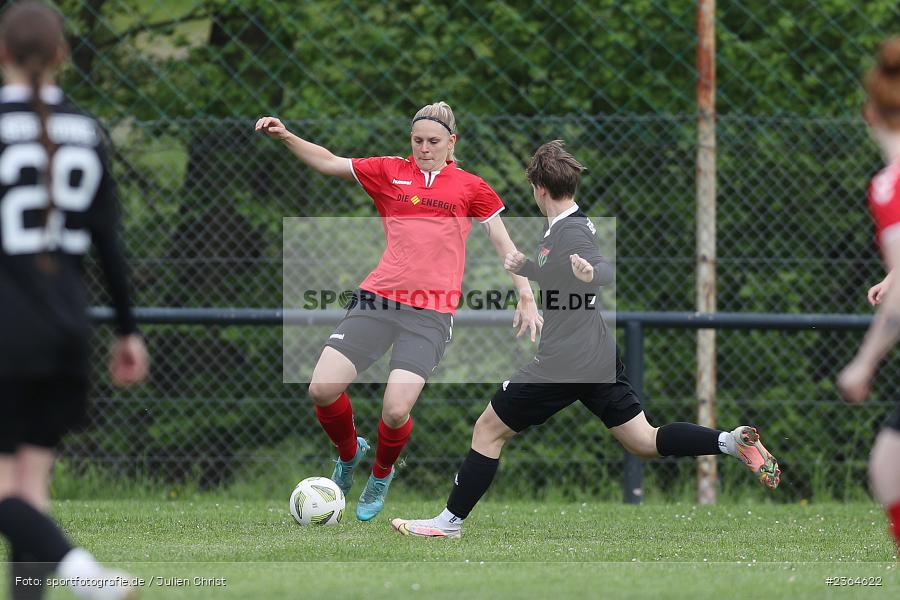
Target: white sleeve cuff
point(502, 208)
point(352, 170)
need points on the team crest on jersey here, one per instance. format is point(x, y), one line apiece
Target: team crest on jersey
point(542, 256)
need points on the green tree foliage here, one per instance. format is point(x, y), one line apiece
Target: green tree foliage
point(180, 83)
point(321, 58)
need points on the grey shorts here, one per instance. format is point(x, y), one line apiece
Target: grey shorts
point(373, 324)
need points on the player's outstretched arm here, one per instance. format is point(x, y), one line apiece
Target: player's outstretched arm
point(526, 316)
point(876, 292)
point(318, 158)
point(855, 380)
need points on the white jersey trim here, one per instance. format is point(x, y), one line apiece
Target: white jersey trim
point(353, 171)
point(502, 208)
point(571, 210)
point(884, 184)
point(430, 177)
point(889, 234)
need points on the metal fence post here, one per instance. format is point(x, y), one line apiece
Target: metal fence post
point(633, 476)
point(706, 236)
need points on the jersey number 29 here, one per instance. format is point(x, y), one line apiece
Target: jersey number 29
point(67, 196)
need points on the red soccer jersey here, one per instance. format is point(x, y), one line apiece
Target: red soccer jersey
point(884, 203)
point(426, 217)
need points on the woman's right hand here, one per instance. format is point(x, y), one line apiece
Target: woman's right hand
point(514, 262)
point(876, 292)
point(273, 127)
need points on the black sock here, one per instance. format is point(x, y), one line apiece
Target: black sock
point(687, 439)
point(26, 581)
point(472, 481)
point(31, 533)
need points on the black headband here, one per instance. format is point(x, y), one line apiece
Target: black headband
point(436, 120)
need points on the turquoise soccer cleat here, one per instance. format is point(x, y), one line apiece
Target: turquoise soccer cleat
point(371, 501)
point(343, 471)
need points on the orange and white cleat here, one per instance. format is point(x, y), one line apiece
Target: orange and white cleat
point(424, 528)
point(756, 457)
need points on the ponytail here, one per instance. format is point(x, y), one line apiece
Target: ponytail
point(42, 112)
point(32, 35)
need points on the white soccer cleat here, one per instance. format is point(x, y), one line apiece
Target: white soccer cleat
point(424, 528)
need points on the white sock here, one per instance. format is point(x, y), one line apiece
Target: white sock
point(79, 564)
point(447, 520)
point(727, 444)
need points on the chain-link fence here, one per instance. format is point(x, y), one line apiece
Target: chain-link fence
point(180, 84)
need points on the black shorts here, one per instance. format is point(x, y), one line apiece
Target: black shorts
point(373, 324)
point(39, 412)
point(521, 402)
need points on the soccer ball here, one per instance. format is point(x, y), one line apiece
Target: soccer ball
point(317, 501)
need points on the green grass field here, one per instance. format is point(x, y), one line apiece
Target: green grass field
point(508, 550)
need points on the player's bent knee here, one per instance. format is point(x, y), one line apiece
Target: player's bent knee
point(394, 418)
point(490, 430)
point(884, 478)
point(639, 438)
point(323, 394)
point(642, 446)
point(7, 490)
point(39, 499)
point(7, 476)
point(646, 452)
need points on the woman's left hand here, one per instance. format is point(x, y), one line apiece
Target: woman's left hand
point(581, 268)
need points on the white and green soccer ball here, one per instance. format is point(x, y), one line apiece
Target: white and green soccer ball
point(317, 501)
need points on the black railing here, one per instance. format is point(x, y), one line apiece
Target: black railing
point(634, 324)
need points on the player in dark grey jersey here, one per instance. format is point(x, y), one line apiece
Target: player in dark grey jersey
point(57, 198)
point(577, 359)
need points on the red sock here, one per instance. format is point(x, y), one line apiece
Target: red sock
point(337, 421)
point(893, 512)
point(390, 445)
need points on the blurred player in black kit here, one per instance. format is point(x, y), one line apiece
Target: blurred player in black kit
point(57, 197)
point(577, 359)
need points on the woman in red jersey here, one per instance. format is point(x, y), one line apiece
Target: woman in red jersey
point(407, 302)
point(882, 113)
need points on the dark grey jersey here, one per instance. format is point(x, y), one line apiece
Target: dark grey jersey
point(576, 344)
point(43, 300)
